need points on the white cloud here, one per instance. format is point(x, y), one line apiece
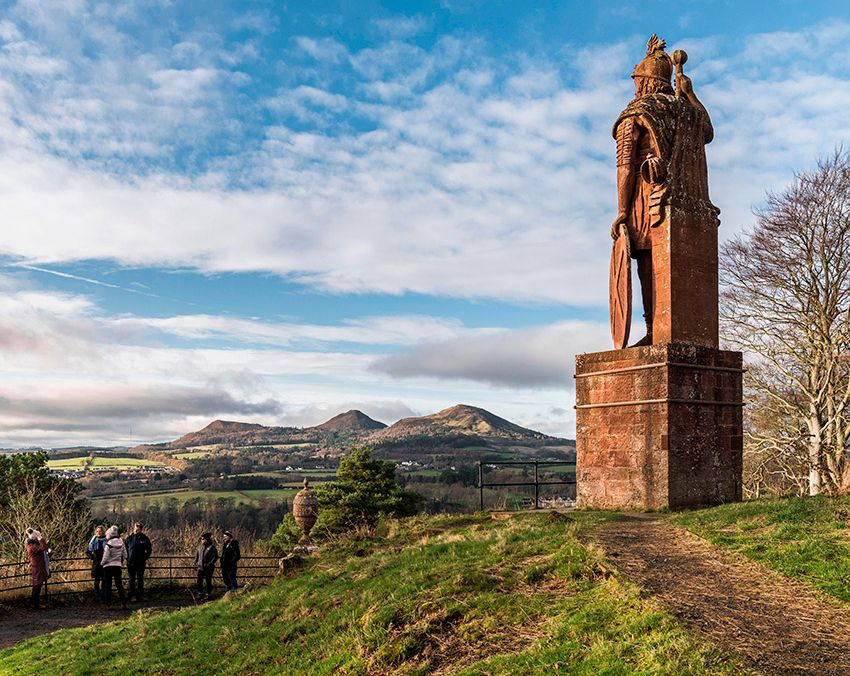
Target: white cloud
point(403, 27)
point(389, 169)
point(324, 49)
point(489, 180)
point(9, 31)
point(392, 330)
point(62, 412)
point(532, 357)
point(71, 373)
point(184, 85)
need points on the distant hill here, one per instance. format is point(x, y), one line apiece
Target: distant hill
point(450, 427)
point(228, 432)
point(459, 419)
point(350, 421)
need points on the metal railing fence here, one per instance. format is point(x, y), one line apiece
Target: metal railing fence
point(73, 575)
point(536, 483)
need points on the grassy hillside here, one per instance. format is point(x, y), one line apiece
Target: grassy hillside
point(460, 595)
point(803, 538)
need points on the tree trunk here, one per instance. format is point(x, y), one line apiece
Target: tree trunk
point(814, 454)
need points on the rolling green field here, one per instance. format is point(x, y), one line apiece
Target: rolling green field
point(421, 472)
point(559, 469)
point(102, 462)
point(252, 496)
point(193, 455)
point(455, 595)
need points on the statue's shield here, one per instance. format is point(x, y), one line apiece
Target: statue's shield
point(620, 290)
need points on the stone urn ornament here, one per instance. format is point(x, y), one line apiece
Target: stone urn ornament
point(305, 509)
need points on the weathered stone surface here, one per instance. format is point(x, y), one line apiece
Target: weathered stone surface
point(684, 265)
point(305, 509)
point(663, 208)
point(658, 426)
point(661, 425)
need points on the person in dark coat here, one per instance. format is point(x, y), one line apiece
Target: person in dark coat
point(205, 559)
point(138, 552)
point(95, 553)
point(38, 551)
point(229, 556)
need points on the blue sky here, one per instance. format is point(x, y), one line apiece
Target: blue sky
point(277, 211)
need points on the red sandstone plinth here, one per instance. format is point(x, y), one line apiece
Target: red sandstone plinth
point(659, 426)
point(684, 265)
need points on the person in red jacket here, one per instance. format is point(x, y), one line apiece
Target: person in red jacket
point(38, 551)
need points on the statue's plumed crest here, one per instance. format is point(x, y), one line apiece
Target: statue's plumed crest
point(657, 64)
point(655, 44)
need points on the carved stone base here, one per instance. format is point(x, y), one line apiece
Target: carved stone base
point(658, 426)
point(304, 549)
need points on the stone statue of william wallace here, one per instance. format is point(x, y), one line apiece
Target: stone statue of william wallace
point(661, 137)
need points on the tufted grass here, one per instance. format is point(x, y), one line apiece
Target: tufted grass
point(459, 595)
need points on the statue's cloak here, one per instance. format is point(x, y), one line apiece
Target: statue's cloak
point(679, 132)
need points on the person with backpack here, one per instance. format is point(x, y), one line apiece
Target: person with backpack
point(205, 559)
point(138, 552)
point(95, 553)
point(114, 555)
point(229, 556)
point(38, 553)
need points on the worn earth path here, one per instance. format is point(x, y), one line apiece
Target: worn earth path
point(776, 625)
point(18, 622)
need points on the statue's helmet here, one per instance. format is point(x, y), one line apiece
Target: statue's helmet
point(657, 64)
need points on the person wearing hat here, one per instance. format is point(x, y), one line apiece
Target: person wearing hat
point(114, 555)
point(205, 559)
point(38, 553)
point(229, 556)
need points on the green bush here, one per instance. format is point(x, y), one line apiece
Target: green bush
point(285, 537)
point(365, 490)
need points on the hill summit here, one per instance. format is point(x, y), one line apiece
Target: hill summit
point(445, 427)
point(458, 419)
point(230, 426)
point(227, 432)
point(351, 421)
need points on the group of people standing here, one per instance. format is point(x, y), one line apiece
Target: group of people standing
point(109, 553)
point(206, 557)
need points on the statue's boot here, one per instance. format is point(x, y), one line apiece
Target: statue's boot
point(647, 339)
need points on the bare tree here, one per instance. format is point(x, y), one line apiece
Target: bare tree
point(786, 304)
point(57, 512)
point(775, 452)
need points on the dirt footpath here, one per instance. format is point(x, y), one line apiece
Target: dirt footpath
point(18, 623)
point(777, 626)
